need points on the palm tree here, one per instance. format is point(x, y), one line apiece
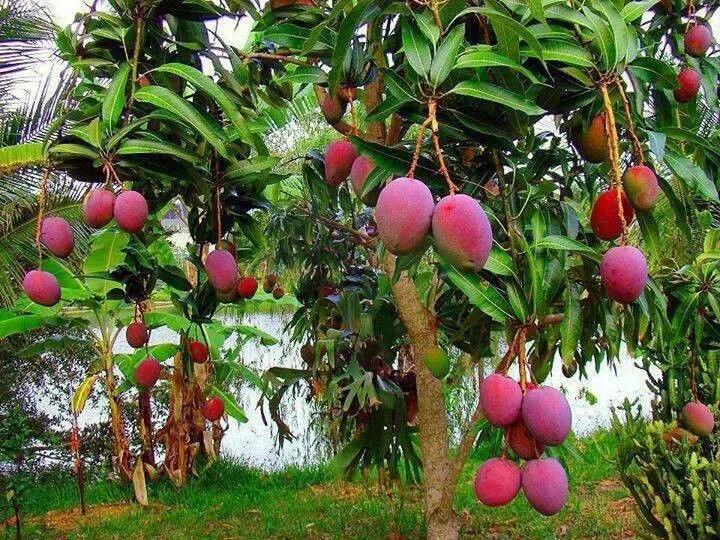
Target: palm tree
point(26, 37)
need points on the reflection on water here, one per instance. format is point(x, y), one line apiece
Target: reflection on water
point(254, 442)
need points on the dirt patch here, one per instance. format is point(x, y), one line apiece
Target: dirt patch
point(608, 484)
point(68, 520)
point(349, 490)
point(624, 506)
point(64, 521)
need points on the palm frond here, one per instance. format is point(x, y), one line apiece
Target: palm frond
point(26, 31)
point(18, 224)
point(20, 156)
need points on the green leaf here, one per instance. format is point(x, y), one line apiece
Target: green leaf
point(231, 406)
point(650, 233)
point(19, 324)
point(570, 326)
point(692, 175)
point(634, 10)
point(497, 94)
point(145, 146)
point(484, 296)
point(89, 133)
point(500, 262)
point(74, 151)
point(105, 255)
point(376, 177)
point(250, 166)
point(518, 302)
point(170, 101)
point(288, 35)
point(115, 97)
point(563, 51)
point(603, 38)
point(654, 71)
point(398, 87)
point(446, 54)
point(426, 24)
point(656, 143)
point(681, 217)
point(210, 88)
point(384, 109)
point(304, 75)
point(559, 242)
point(536, 8)
point(617, 26)
point(417, 48)
point(383, 156)
point(346, 33)
point(506, 24)
point(566, 14)
point(476, 58)
point(65, 276)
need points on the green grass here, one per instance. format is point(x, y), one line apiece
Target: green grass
point(233, 501)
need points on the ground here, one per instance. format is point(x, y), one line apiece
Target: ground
point(233, 501)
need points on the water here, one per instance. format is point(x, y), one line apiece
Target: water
point(254, 442)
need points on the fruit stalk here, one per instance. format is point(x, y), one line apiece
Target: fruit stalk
point(218, 220)
point(612, 141)
point(637, 147)
point(506, 201)
point(418, 145)
point(432, 114)
point(522, 335)
point(139, 27)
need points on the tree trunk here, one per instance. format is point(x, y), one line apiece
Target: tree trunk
point(421, 325)
point(184, 429)
point(442, 522)
point(120, 441)
point(146, 430)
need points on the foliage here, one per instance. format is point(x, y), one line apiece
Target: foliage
point(23, 25)
point(674, 480)
point(16, 436)
point(291, 501)
point(494, 75)
point(26, 34)
point(672, 474)
point(163, 105)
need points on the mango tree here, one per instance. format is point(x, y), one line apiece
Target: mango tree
point(158, 139)
point(528, 163)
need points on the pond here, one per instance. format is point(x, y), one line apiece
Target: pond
point(254, 442)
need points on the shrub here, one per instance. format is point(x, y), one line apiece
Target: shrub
point(673, 476)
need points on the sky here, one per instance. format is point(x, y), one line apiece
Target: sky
point(65, 10)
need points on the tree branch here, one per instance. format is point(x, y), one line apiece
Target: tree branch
point(279, 57)
point(342, 127)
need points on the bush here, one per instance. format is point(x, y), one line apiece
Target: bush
point(673, 476)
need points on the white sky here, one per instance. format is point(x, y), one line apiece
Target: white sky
point(65, 11)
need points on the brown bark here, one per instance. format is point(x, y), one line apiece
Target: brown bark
point(440, 517)
point(120, 441)
point(146, 430)
point(181, 433)
point(421, 325)
point(184, 433)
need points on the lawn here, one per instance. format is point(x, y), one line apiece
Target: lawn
point(230, 500)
